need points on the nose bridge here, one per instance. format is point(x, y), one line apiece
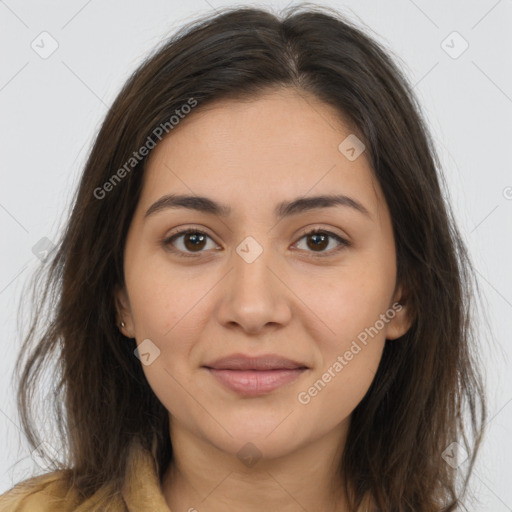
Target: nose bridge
point(251, 261)
point(254, 296)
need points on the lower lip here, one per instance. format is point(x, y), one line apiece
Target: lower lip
point(255, 382)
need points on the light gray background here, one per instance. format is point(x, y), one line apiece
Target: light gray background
point(52, 108)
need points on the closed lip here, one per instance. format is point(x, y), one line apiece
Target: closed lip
point(263, 362)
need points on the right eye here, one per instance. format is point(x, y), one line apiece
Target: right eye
point(192, 239)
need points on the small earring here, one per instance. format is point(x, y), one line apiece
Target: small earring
point(123, 324)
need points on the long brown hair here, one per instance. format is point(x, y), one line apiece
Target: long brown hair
point(427, 393)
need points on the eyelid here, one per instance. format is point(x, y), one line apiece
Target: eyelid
point(182, 230)
point(312, 228)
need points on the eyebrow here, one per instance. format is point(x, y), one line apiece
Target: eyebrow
point(283, 209)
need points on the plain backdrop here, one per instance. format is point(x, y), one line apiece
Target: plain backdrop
point(63, 63)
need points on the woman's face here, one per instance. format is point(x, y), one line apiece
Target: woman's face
point(255, 284)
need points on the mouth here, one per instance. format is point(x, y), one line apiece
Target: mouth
point(255, 376)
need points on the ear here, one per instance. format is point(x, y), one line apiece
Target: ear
point(400, 316)
point(124, 312)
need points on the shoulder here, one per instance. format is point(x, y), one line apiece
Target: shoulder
point(44, 493)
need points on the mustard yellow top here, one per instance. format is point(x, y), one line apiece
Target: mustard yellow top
point(46, 493)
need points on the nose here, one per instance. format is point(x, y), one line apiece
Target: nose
point(255, 296)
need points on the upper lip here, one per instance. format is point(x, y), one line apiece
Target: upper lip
point(263, 362)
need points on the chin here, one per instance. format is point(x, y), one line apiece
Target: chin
point(257, 437)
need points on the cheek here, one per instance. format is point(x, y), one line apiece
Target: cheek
point(334, 394)
point(350, 349)
point(167, 309)
point(348, 302)
point(171, 308)
point(163, 299)
point(351, 343)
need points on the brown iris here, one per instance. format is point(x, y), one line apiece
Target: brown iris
point(320, 241)
point(194, 241)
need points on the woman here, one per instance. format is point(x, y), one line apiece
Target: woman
point(261, 297)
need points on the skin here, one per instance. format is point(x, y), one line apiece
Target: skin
point(252, 155)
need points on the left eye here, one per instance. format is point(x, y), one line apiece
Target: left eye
point(319, 238)
point(196, 239)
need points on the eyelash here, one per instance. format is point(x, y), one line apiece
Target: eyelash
point(167, 242)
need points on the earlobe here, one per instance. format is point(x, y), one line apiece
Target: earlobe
point(400, 316)
point(123, 312)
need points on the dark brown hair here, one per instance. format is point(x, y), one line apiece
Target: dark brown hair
point(427, 392)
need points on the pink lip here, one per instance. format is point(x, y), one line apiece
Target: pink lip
point(253, 376)
point(255, 382)
point(263, 362)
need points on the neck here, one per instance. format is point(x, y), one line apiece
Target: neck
point(201, 477)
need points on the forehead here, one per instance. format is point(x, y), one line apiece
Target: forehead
point(278, 145)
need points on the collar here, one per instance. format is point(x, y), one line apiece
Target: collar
point(142, 491)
